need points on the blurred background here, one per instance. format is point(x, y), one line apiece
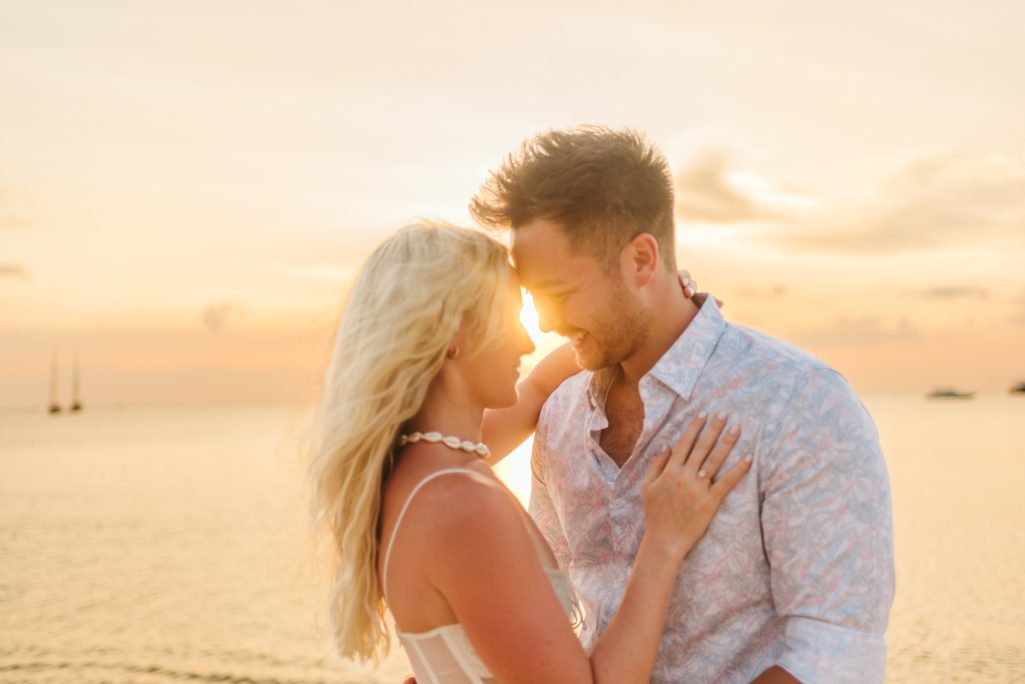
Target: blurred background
point(186, 190)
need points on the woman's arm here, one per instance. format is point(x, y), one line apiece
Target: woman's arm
point(505, 429)
point(487, 569)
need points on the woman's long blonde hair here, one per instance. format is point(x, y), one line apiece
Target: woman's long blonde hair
point(414, 292)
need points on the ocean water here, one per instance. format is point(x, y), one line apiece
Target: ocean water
point(168, 544)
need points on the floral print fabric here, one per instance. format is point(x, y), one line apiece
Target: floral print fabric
point(795, 570)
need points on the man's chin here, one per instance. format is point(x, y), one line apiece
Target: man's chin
point(590, 361)
point(584, 363)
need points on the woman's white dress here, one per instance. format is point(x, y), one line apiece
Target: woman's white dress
point(444, 655)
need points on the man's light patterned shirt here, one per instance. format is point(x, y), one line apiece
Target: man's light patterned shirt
point(795, 570)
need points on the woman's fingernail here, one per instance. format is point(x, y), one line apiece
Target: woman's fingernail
point(749, 458)
point(690, 291)
point(734, 429)
point(721, 415)
point(703, 415)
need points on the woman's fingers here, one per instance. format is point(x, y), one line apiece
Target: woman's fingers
point(720, 452)
point(688, 284)
point(703, 446)
point(658, 464)
point(729, 480)
point(690, 290)
point(680, 496)
point(686, 442)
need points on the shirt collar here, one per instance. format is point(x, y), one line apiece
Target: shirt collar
point(682, 364)
point(598, 386)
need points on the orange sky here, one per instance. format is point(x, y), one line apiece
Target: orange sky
point(186, 189)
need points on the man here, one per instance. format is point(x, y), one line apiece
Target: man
point(794, 580)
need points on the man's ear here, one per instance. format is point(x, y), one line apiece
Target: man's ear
point(640, 259)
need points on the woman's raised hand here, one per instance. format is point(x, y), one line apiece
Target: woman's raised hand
point(690, 289)
point(680, 492)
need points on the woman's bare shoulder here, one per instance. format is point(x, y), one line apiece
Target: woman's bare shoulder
point(455, 525)
point(460, 501)
point(441, 496)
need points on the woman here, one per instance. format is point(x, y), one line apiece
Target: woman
point(429, 340)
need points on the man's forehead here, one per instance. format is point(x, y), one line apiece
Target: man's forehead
point(540, 254)
point(537, 270)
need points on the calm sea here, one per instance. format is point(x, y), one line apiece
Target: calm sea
point(167, 544)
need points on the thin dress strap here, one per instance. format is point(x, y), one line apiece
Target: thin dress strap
point(405, 507)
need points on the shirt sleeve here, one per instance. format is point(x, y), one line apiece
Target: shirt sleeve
point(542, 507)
point(828, 532)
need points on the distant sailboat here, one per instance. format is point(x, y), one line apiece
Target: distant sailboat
point(55, 407)
point(76, 402)
point(949, 393)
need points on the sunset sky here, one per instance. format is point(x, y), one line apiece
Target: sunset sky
point(186, 188)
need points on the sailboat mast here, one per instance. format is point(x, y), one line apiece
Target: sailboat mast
point(76, 403)
point(54, 406)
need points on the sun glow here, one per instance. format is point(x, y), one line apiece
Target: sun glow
point(544, 343)
point(531, 319)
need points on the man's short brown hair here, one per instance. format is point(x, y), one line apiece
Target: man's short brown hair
point(604, 186)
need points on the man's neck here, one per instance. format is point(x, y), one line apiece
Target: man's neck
point(674, 314)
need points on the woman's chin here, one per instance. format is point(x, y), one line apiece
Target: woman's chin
point(505, 401)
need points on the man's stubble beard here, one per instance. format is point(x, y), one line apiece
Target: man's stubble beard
point(619, 334)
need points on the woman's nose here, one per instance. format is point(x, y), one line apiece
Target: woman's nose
point(527, 343)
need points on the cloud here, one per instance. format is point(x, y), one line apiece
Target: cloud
point(7, 219)
point(933, 202)
point(859, 331)
point(13, 222)
point(1019, 315)
point(704, 193)
point(709, 191)
point(943, 201)
point(9, 270)
point(774, 292)
point(953, 292)
point(215, 316)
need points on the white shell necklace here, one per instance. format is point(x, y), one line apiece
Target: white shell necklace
point(479, 449)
